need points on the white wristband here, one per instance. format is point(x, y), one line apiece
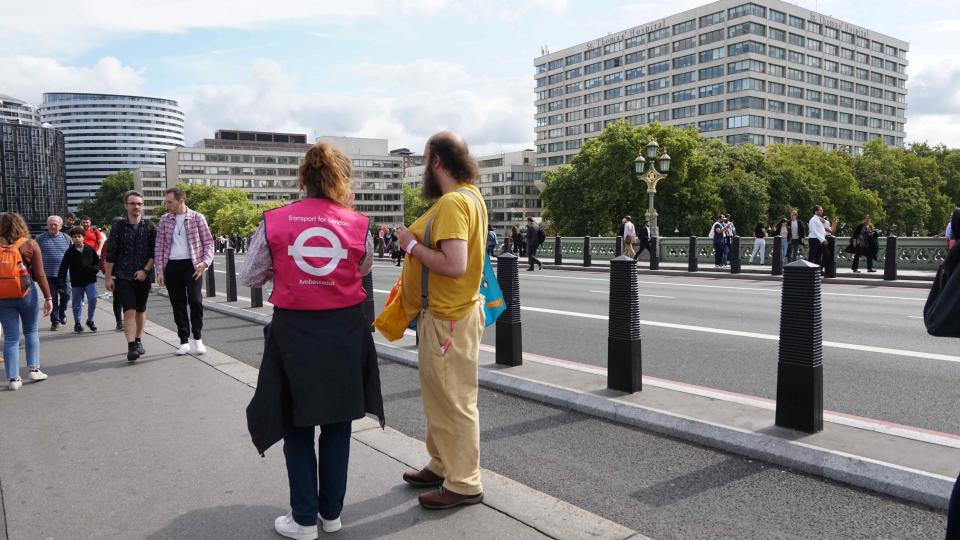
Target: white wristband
point(411, 245)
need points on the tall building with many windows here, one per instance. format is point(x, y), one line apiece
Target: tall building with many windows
point(32, 172)
point(762, 72)
point(107, 133)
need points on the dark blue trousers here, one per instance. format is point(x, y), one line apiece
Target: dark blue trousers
point(318, 479)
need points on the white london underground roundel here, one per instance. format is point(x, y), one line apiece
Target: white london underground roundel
point(300, 251)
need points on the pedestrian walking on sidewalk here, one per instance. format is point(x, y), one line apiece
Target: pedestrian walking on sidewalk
point(863, 243)
point(644, 234)
point(716, 234)
point(795, 235)
point(54, 242)
point(319, 365)
point(533, 242)
point(819, 246)
point(82, 262)
point(21, 272)
point(450, 320)
point(129, 266)
point(92, 235)
point(629, 237)
point(115, 300)
point(184, 251)
point(759, 242)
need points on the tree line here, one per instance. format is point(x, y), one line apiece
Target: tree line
point(906, 191)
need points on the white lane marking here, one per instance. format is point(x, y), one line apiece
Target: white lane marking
point(728, 287)
point(914, 317)
point(755, 335)
point(644, 295)
point(871, 424)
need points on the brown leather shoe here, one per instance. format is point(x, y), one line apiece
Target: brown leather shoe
point(424, 478)
point(442, 499)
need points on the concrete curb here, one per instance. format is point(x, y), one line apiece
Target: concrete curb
point(909, 484)
point(886, 478)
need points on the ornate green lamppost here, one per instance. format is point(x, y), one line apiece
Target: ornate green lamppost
point(651, 177)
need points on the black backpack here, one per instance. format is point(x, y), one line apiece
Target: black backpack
point(541, 237)
point(941, 313)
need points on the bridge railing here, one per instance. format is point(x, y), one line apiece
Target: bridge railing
point(913, 253)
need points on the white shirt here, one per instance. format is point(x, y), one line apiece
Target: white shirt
point(794, 229)
point(629, 230)
point(817, 229)
point(179, 249)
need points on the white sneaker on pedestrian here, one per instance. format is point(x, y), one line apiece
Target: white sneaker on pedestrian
point(286, 526)
point(331, 526)
point(36, 375)
point(197, 346)
point(183, 349)
point(15, 384)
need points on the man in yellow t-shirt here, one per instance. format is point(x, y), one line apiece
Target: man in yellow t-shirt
point(451, 326)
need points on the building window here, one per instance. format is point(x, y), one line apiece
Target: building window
point(777, 88)
point(748, 120)
point(592, 53)
point(661, 99)
point(633, 104)
point(634, 57)
point(776, 70)
point(683, 112)
point(635, 41)
point(657, 84)
point(658, 34)
point(684, 44)
point(745, 10)
point(778, 16)
point(746, 85)
point(684, 61)
point(777, 52)
point(775, 106)
point(683, 78)
point(684, 95)
point(590, 69)
point(710, 125)
point(746, 102)
point(745, 138)
point(745, 47)
point(746, 65)
point(573, 73)
point(711, 37)
point(711, 90)
point(711, 19)
point(659, 67)
point(794, 127)
point(713, 107)
point(746, 28)
point(592, 97)
point(635, 73)
point(710, 73)
point(711, 55)
point(573, 59)
point(637, 88)
point(611, 48)
point(613, 78)
point(593, 83)
point(612, 108)
point(612, 93)
point(685, 26)
point(796, 22)
point(778, 34)
point(660, 116)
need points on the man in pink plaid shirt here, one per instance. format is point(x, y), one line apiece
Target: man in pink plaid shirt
point(184, 250)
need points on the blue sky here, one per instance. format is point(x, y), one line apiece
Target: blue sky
point(399, 69)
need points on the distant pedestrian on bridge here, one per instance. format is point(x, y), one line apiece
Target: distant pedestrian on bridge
point(863, 243)
point(535, 236)
point(644, 234)
point(629, 237)
point(759, 242)
point(819, 246)
point(54, 242)
point(184, 251)
point(795, 235)
point(716, 234)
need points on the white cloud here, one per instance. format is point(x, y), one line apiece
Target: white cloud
point(27, 77)
point(491, 115)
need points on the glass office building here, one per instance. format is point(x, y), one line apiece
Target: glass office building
point(32, 174)
point(762, 72)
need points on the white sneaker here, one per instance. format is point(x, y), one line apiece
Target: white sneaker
point(36, 375)
point(286, 526)
point(197, 347)
point(15, 384)
point(183, 349)
point(331, 526)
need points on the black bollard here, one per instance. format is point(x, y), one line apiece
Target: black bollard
point(231, 276)
point(777, 267)
point(800, 357)
point(618, 250)
point(735, 255)
point(654, 254)
point(624, 361)
point(830, 269)
point(693, 264)
point(587, 257)
point(890, 260)
point(380, 249)
point(211, 281)
point(557, 251)
point(368, 309)
point(256, 297)
point(509, 334)
point(508, 244)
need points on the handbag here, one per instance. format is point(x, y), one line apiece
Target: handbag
point(941, 313)
point(392, 321)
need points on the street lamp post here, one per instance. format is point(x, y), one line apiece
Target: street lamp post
point(651, 177)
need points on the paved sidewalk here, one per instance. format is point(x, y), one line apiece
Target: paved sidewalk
point(159, 449)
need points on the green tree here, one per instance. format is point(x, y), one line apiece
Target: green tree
point(107, 202)
point(745, 197)
point(414, 205)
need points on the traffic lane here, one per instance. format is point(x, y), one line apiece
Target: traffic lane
point(860, 318)
point(661, 487)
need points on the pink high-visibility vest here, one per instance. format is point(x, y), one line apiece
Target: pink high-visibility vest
point(316, 246)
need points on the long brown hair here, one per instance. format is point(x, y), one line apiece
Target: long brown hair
point(13, 227)
point(325, 172)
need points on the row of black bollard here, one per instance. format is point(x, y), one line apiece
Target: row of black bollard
point(735, 255)
point(777, 265)
point(231, 276)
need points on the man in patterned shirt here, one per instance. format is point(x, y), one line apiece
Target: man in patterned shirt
point(184, 251)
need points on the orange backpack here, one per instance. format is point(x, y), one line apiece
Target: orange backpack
point(14, 277)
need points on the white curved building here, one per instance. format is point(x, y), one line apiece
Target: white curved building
point(17, 111)
point(107, 133)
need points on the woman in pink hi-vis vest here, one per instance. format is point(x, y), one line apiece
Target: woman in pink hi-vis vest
point(319, 364)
